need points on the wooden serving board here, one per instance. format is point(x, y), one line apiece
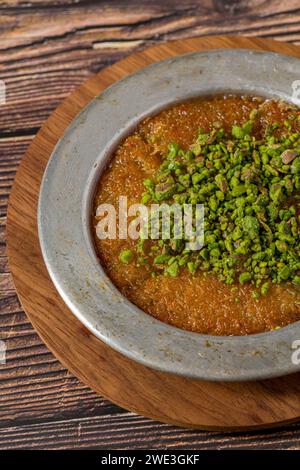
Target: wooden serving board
point(161, 396)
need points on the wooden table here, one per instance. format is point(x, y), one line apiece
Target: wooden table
point(48, 47)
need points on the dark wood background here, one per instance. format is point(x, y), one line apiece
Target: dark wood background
point(48, 48)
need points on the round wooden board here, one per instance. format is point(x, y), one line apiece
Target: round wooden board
point(168, 398)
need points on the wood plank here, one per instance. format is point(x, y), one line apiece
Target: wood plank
point(46, 55)
point(144, 19)
point(128, 431)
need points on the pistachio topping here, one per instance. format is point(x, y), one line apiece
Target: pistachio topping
point(250, 191)
point(126, 256)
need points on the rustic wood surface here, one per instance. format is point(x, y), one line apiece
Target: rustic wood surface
point(172, 399)
point(47, 49)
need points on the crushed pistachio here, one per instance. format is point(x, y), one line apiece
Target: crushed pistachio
point(250, 189)
point(126, 256)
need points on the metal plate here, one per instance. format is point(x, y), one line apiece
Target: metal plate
point(65, 209)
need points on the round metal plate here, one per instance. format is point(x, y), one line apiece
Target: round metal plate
point(65, 209)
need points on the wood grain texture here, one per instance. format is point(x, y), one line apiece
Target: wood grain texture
point(172, 399)
point(48, 48)
point(127, 431)
point(41, 66)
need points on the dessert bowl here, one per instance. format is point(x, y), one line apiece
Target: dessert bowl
point(65, 208)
